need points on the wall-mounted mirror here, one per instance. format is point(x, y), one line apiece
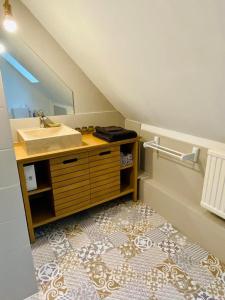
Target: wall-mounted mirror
point(29, 84)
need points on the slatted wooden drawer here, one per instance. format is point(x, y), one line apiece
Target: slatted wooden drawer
point(103, 161)
point(69, 160)
point(104, 173)
point(108, 193)
point(70, 183)
point(72, 203)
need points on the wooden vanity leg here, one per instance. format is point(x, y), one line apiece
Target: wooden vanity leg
point(135, 171)
point(26, 202)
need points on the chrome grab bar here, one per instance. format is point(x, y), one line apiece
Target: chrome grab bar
point(155, 144)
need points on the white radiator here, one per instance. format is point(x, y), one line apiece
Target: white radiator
point(213, 195)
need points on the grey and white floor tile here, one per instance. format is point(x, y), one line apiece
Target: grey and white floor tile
point(119, 251)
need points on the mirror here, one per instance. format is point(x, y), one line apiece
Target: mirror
point(29, 84)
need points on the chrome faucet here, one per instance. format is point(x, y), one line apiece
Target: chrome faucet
point(42, 121)
point(45, 122)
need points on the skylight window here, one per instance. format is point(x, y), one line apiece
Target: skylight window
point(23, 71)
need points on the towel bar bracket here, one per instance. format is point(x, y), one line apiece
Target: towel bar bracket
point(155, 144)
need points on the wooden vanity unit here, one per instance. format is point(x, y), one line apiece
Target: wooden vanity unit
point(73, 180)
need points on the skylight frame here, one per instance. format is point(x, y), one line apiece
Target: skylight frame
point(19, 67)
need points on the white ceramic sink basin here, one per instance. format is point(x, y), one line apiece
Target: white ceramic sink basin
point(38, 140)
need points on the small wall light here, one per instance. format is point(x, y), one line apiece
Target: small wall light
point(8, 22)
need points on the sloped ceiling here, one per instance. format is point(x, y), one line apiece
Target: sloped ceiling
point(160, 62)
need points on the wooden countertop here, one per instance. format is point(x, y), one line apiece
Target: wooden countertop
point(89, 142)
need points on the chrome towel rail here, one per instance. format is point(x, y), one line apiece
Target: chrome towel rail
point(155, 144)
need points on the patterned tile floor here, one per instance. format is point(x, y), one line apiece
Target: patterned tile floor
point(123, 251)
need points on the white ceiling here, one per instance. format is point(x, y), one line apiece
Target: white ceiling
point(161, 62)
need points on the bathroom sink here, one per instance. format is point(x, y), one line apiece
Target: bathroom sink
point(38, 140)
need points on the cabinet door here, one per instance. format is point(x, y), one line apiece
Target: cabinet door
point(70, 183)
point(104, 173)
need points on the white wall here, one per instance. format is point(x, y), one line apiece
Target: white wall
point(17, 279)
point(161, 62)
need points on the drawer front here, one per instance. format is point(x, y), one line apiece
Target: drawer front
point(103, 153)
point(104, 173)
point(68, 161)
point(71, 199)
point(79, 195)
point(70, 183)
point(104, 180)
point(69, 173)
point(77, 200)
point(85, 178)
point(99, 178)
point(68, 176)
point(104, 160)
point(72, 206)
point(105, 194)
point(94, 175)
point(68, 170)
point(71, 192)
point(68, 187)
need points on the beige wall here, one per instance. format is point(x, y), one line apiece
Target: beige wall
point(161, 62)
point(183, 179)
point(17, 277)
point(174, 188)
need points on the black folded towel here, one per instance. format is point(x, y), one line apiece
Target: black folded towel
point(114, 133)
